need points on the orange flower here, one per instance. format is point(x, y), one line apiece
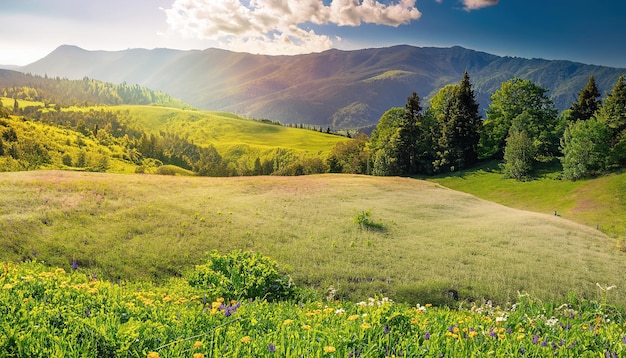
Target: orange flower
point(246, 339)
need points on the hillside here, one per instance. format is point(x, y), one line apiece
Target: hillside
point(431, 239)
point(341, 89)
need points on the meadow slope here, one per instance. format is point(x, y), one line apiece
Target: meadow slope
point(433, 240)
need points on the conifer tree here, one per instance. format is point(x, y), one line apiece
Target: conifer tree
point(588, 101)
point(408, 135)
point(613, 115)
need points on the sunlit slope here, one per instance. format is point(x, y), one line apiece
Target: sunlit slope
point(598, 202)
point(228, 132)
point(434, 240)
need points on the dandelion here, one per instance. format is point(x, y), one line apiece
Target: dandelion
point(329, 349)
point(153, 355)
point(246, 339)
point(197, 344)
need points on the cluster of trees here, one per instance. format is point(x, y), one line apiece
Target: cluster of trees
point(85, 92)
point(522, 128)
point(149, 151)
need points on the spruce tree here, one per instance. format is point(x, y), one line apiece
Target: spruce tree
point(588, 101)
point(408, 135)
point(613, 115)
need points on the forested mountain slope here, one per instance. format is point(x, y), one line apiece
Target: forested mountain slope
point(341, 89)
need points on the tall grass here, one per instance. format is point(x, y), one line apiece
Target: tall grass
point(436, 241)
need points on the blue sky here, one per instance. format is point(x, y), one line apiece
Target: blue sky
point(583, 31)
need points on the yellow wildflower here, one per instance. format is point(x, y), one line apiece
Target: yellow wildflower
point(306, 327)
point(287, 322)
point(520, 336)
point(198, 355)
point(328, 310)
point(472, 334)
point(7, 286)
point(153, 355)
point(246, 339)
point(353, 317)
point(198, 344)
point(366, 325)
point(329, 349)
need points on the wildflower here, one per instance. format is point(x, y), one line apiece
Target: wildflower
point(271, 348)
point(329, 349)
point(340, 311)
point(198, 344)
point(87, 313)
point(366, 325)
point(353, 317)
point(624, 340)
point(426, 336)
point(7, 286)
point(198, 355)
point(287, 322)
point(74, 264)
point(246, 339)
point(535, 339)
point(386, 330)
point(153, 355)
point(306, 327)
point(472, 334)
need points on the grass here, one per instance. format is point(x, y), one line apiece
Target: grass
point(227, 131)
point(436, 241)
point(599, 202)
point(54, 312)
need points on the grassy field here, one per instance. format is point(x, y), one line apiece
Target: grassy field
point(227, 131)
point(599, 202)
point(433, 240)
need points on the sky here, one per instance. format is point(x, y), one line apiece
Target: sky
point(592, 32)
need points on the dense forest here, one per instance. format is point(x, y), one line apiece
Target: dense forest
point(522, 130)
point(86, 92)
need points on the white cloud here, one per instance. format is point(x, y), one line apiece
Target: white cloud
point(278, 26)
point(478, 4)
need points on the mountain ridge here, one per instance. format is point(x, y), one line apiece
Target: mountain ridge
point(336, 88)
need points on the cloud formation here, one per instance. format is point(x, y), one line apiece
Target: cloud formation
point(280, 26)
point(478, 4)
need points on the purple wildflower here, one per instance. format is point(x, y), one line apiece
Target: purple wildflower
point(624, 340)
point(386, 330)
point(522, 351)
point(87, 313)
point(426, 336)
point(272, 348)
point(74, 264)
point(535, 339)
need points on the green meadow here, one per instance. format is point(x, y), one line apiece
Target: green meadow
point(598, 202)
point(427, 241)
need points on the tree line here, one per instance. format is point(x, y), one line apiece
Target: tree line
point(522, 129)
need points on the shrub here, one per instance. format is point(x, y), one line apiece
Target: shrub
point(364, 219)
point(240, 275)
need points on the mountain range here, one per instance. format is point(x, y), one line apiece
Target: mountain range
point(335, 88)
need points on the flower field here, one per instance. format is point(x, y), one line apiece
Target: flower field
point(48, 312)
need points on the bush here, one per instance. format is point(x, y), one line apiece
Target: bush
point(240, 275)
point(364, 219)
